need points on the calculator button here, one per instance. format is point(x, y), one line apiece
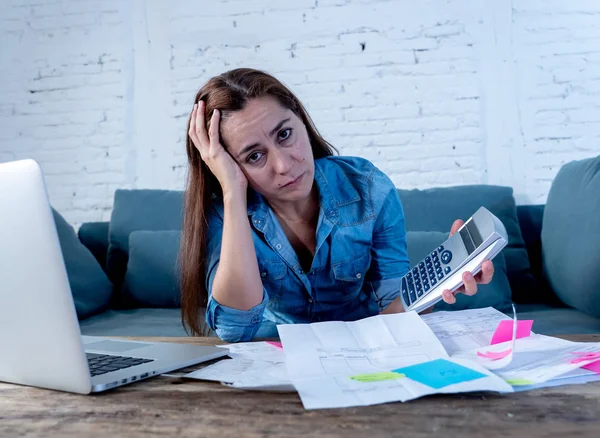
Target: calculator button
point(405, 291)
point(440, 248)
point(428, 259)
point(433, 282)
point(446, 257)
point(411, 291)
point(420, 292)
point(415, 271)
point(426, 287)
point(436, 264)
point(434, 254)
point(447, 269)
point(440, 276)
point(421, 265)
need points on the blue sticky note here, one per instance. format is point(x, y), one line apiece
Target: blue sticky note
point(439, 373)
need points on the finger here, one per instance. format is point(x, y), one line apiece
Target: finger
point(456, 225)
point(200, 126)
point(192, 130)
point(470, 285)
point(486, 274)
point(213, 132)
point(448, 297)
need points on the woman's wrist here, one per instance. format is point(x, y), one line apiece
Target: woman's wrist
point(235, 197)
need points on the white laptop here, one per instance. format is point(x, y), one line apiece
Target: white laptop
point(40, 341)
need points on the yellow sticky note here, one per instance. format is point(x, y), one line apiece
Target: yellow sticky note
point(377, 377)
point(519, 382)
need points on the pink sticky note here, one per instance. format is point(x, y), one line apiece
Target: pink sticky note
point(594, 366)
point(505, 329)
point(493, 355)
point(275, 344)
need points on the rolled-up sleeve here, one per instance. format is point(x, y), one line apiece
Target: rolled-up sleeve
point(389, 251)
point(231, 325)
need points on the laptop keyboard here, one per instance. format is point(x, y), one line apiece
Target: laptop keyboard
point(104, 363)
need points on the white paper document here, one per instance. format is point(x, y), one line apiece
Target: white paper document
point(253, 365)
point(464, 329)
point(328, 361)
point(540, 358)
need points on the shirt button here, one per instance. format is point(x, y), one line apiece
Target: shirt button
point(278, 246)
point(359, 275)
point(263, 274)
point(310, 300)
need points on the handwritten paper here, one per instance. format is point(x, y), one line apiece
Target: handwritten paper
point(439, 373)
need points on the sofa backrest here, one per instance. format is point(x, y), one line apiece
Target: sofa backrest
point(425, 210)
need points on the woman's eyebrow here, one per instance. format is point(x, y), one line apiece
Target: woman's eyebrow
point(271, 134)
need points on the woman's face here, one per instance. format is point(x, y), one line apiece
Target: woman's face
point(271, 145)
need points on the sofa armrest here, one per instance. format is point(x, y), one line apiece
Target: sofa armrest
point(530, 220)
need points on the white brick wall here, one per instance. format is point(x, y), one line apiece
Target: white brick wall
point(449, 92)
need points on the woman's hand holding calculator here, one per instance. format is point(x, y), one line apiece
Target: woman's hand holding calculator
point(470, 282)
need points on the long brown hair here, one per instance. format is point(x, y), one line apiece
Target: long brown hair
point(227, 92)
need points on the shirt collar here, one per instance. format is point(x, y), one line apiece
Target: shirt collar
point(335, 190)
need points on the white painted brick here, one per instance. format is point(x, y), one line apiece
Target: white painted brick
point(432, 94)
point(381, 112)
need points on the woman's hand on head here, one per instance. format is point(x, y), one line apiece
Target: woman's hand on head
point(470, 282)
point(221, 164)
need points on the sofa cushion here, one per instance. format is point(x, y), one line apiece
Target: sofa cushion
point(90, 287)
point(94, 235)
point(550, 320)
point(436, 209)
point(152, 278)
point(135, 322)
point(571, 235)
point(135, 210)
point(495, 294)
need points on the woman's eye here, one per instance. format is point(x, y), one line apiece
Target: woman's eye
point(285, 134)
point(254, 157)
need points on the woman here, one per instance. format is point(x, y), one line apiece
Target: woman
point(276, 228)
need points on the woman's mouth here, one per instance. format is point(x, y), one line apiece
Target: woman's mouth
point(293, 182)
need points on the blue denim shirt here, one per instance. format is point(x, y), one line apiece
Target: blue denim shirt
point(360, 255)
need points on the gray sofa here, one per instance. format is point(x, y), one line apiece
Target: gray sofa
point(132, 287)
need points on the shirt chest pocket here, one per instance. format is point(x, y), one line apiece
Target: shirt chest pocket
point(350, 274)
point(272, 275)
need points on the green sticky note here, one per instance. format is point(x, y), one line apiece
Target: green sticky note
point(519, 382)
point(377, 377)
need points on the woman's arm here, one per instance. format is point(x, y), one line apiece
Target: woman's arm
point(237, 282)
point(236, 296)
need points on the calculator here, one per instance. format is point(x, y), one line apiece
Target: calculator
point(480, 238)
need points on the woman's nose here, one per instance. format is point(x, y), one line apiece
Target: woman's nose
point(282, 162)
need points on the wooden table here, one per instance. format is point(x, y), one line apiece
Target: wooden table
point(167, 406)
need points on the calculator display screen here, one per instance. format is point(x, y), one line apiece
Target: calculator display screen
point(470, 236)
